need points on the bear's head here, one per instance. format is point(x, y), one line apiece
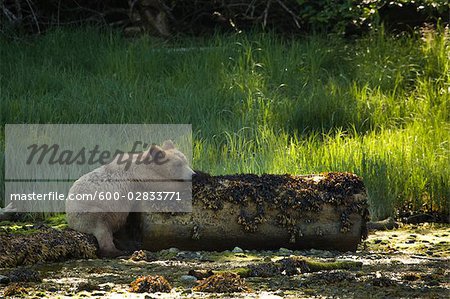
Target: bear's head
point(170, 163)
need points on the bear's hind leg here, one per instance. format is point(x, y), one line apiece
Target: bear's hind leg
point(104, 238)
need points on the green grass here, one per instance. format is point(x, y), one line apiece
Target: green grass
point(378, 106)
point(27, 226)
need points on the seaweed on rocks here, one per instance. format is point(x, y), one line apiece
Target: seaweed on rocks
point(45, 245)
point(226, 282)
point(150, 284)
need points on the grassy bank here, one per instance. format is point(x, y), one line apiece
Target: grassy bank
point(378, 106)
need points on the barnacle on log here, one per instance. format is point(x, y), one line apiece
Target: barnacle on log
point(286, 193)
point(325, 211)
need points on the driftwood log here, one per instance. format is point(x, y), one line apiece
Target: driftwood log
point(326, 211)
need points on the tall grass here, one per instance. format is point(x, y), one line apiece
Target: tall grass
point(378, 106)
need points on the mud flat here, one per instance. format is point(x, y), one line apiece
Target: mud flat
point(408, 262)
point(326, 211)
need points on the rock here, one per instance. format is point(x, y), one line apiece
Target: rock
point(327, 253)
point(420, 218)
point(189, 255)
point(87, 286)
point(237, 250)
point(411, 276)
point(294, 265)
point(188, 279)
point(268, 269)
point(98, 294)
point(201, 273)
point(314, 251)
point(285, 251)
point(143, 255)
point(174, 250)
point(24, 275)
point(382, 281)
point(323, 253)
point(4, 279)
point(52, 289)
point(386, 224)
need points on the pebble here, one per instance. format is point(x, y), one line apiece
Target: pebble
point(174, 250)
point(324, 253)
point(189, 255)
point(98, 294)
point(237, 250)
point(315, 251)
point(86, 286)
point(188, 278)
point(285, 251)
point(24, 275)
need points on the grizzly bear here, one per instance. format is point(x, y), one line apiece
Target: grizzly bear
point(103, 218)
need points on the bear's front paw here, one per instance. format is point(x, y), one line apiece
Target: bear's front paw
point(109, 253)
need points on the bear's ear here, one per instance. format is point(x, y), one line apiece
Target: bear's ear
point(154, 149)
point(168, 144)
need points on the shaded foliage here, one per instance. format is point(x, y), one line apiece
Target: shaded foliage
point(201, 16)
